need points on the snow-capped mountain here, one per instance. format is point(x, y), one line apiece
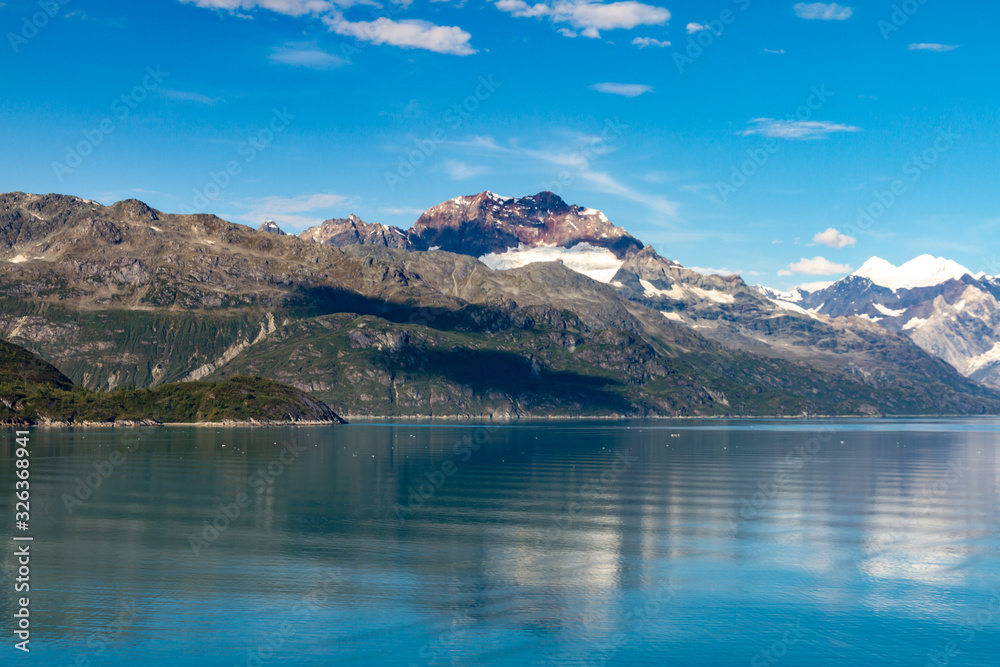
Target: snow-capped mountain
point(271, 227)
point(922, 271)
point(488, 224)
point(939, 304)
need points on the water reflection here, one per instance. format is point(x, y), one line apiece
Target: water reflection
point(545, 542)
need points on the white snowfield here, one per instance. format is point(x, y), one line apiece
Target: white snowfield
point(599, 264)
point(923, 271)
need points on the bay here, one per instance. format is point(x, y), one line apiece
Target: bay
point(719, 542)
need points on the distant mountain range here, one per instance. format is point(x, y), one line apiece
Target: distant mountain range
point(939, 304)
point(488, 306)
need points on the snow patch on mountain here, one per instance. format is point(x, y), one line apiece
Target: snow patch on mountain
point(922, 271)
point(888, 311)
point(680, 292)
point(599, 264)
point(990, 357)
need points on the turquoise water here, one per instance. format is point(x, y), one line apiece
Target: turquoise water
point(687, 543)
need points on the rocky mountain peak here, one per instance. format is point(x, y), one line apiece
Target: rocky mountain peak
point(487, 223)
point(271, 227)
point(352, 230)
point(134, 211)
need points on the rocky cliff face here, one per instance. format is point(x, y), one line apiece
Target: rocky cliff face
point(487, 223)
point(271, 227)
point(352, 230)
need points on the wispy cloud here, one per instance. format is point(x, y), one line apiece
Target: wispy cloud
point(396, 210)
point(775, 51)
point(643, 42)
point(287, 7)
point(623, 89)
point(406, 34)
point(300, 54)
point(292, 211)
point(190, 96)
point(804, 130)
point(460, 171)
point(707, 271)
point(817, 266)
point(937, 48)
point(576, 159)
point(834, 239)
point(692, 28)
point(823, 11)
point(589, 18)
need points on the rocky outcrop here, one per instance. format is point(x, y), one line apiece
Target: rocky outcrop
point(488, 223)
point(271, 227)
point(352, 230)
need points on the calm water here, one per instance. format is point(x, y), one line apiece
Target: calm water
point(695, 543)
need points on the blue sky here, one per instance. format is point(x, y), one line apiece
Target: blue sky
point(737, 134)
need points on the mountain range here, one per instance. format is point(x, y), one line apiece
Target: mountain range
point(939, 304)
point(488, 306)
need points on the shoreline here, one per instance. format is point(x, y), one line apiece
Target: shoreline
point(464, 419)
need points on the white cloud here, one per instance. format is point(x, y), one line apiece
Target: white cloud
point(590, 18)
point(623, 89)
point(287, 7)
point(834, 239)
point(643, 42)
point(824, 11)
point(189, 96)
point(459, 171)
point(815, 287)
point(396, 210)
point(292, 211)
point(775, 51)
point(714, 272)
point(305, 55)
point(579, 162)
point(817, 266)
point(406, 34)
point(796, 129)
point(937, 48)
point(692, 28)
point(521, 9)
